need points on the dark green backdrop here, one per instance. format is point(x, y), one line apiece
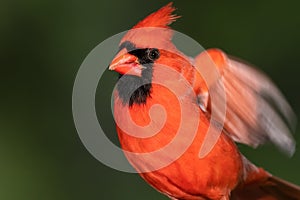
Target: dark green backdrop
point(42, 45)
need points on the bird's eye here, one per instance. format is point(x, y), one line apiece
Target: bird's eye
point(153, 54)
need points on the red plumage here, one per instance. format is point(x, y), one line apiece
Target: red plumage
point(223, 173)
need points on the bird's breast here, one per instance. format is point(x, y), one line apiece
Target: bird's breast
point(170, 129)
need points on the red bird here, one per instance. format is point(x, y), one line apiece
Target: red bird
point(165, 104)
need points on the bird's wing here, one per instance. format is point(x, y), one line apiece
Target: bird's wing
point(256, 111)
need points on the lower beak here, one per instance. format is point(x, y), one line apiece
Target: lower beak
point(127, 64)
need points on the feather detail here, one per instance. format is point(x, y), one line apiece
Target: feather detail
point(256, 110)
point(154, 30)
point(161, 18)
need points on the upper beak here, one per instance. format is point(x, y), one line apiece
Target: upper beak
point(126, 64)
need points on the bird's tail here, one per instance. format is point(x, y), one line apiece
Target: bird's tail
point(260, 185)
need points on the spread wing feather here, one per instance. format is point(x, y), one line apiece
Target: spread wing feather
point(256, 111)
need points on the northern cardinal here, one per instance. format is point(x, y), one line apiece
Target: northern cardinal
point(161, 93)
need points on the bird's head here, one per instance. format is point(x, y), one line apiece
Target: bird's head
point(141, 47)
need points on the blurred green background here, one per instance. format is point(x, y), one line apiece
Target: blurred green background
point(43, 44)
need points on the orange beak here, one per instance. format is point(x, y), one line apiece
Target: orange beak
point(127, 64)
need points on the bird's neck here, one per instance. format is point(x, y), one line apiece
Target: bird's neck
point(135, 90)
